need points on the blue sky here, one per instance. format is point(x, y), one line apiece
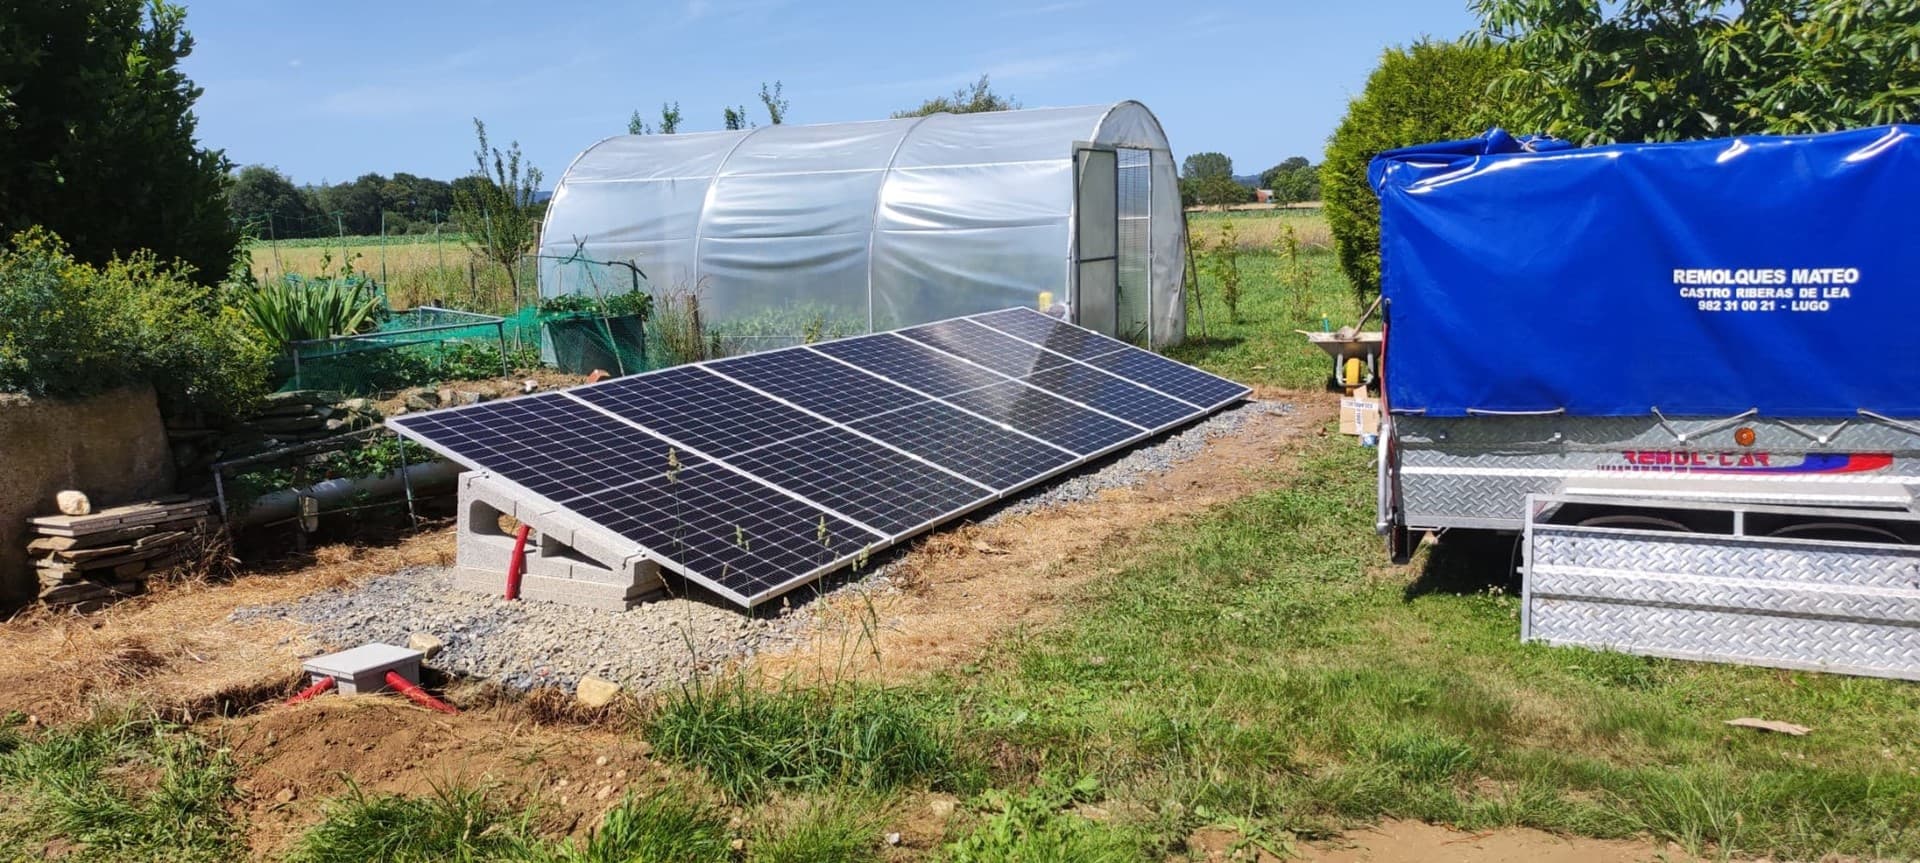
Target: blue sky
point(334, 90)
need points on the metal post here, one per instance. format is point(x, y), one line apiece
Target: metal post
point(406, 480)
point(295, 351)
point(383, 246)
point(500, 330)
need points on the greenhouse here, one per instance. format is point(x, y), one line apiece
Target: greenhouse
point(788, 233)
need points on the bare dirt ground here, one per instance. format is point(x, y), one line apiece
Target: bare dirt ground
point(1417, 842)
point(292, 759)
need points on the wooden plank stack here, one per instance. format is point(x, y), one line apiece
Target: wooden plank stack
point(87, 561)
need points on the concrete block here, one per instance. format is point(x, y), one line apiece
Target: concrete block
point(364, 668)
point(428, 644)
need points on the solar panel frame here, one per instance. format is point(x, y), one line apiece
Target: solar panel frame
point(974, 375)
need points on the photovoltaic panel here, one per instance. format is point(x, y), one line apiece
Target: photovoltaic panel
point(813, 381)
point(880, 487)
point(1112, 395)
point(1046, 416)
point(700, 409)
point(723, 528)
point(910, 364)
point(981, 450)
point(1049, 333)
point(988, 347)
point(549, 444)
point(754, 475)
point(1164, 375)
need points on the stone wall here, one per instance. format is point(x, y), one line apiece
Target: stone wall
point(112, 446)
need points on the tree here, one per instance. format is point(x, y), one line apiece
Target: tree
point(636, 125)
point(1666, 70)
point(1201, 165)
point(1432, 91)
point(97, 133)
point(736, 118)
point(496, 213)
point(1214, 190)
point(267, 203)
point(776, 103)
point(669, 118)
point(975, 98)
point(1292, 181)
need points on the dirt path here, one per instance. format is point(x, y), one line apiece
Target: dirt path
point(964, 587)
point(1417, 842)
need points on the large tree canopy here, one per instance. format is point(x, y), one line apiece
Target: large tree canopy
point(1667, 70)
point(97, 133)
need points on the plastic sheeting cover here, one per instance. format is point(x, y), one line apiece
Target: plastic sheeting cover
point(877, 224)
point(1700, 279)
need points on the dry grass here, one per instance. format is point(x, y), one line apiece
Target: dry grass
point(176, 650)
point(1262, 230)
point(415, 270)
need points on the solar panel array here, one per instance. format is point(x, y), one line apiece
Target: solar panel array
point(757, 474)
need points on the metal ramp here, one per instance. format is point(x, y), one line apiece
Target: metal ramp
point(1817, 589)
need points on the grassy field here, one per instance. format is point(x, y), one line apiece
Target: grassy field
point(416, 269)
point(1255, 667)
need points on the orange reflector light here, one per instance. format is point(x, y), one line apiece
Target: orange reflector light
point(1743, 436)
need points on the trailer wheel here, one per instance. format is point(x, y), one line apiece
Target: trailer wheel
point(1838, 531)
point(1636, 522)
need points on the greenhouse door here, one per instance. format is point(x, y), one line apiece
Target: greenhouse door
point(1096, 235)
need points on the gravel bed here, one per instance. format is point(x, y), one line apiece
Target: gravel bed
point(661, 643)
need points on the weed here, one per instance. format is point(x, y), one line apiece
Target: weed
point(1038, 827)
point(668, 827)
point(455, 823)
point(832, 829)
point(751, 741)
point(120, 788)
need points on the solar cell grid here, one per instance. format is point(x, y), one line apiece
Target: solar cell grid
point(1164, 375)
point(725, 528)
point(988, 347)
point(983, 451)
point(700, 409)
point(817, 383)
point(795, 461)
point(1045, 416)
point(910, 364)
point(862, 480)
point(1052, 334)
point(1112, 395)
point(549, 444)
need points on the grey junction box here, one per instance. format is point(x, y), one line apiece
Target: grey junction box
point(364, 668)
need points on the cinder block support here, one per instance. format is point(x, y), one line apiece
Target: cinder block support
point(571, 562)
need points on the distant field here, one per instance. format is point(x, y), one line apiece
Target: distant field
point(1262, 229)
point(415, 269)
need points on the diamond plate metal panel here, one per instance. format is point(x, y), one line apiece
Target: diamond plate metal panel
point(1850, 608)
point(1474, 471)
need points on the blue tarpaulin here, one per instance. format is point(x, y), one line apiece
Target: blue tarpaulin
point(1701, 279)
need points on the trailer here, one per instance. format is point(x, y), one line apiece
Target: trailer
point(1685, 375)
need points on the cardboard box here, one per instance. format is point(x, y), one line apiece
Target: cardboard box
point(1359, 416)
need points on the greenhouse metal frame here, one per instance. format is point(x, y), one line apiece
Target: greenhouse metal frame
point(875, 225)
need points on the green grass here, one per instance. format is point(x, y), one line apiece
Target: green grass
point(118, 788)
point(1261, 347)
point(751, 741)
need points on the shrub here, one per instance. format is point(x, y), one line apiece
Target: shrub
point(293, 309)
point(1433, 91)
point(73, 330)
point(1223, 264)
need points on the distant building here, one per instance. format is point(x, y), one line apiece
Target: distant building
point(1263, 196)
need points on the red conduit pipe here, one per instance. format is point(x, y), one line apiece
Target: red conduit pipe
point(518, 560)
point(419, 696)
point(319, 686)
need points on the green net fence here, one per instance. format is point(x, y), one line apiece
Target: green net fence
point(427, 345)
